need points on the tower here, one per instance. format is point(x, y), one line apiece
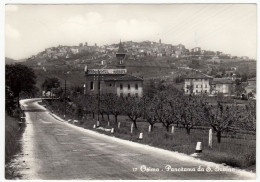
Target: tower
point(120, 55)
point(160, 41)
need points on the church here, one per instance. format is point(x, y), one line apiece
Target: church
point(114, 80)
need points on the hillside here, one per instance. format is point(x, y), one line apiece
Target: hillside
point(9, 61)
point(149, 60)
point(12, 61)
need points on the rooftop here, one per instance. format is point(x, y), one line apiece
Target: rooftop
point(198, 75)
point(106, 71)
point(222, 81)
point(121, 78)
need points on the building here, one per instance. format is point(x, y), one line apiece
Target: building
point(197, 83)
point(224, 86)
point(251, 88)
point(113, 80)
point(196, 49)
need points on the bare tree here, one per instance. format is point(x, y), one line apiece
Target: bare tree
point(191, 112)
point(222, 117)
point(106, 105)
point(115, 104)
point(248, 116)
point(150, 115)
point(133, 108)
point(163, 109)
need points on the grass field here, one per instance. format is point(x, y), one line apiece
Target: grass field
point(236, 149)
point(13, 133)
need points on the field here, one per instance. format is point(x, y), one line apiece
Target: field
point(236, 149)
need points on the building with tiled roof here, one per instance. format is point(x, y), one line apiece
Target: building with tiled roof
point(113, 80)
point(251, 87)
point(224, 86)
point(197, 83)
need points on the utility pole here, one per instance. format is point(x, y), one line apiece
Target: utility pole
point(98, 94)
point(65, 100)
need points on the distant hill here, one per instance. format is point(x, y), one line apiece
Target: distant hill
point(12, 61)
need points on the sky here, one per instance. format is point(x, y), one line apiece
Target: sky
point(230, 28)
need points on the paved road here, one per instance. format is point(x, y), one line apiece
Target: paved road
point(57, 150)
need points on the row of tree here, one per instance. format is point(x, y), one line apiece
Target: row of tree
point(170, 107)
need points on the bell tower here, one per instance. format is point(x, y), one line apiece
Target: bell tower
point(120, 55)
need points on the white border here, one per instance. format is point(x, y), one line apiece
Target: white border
point(2, 50)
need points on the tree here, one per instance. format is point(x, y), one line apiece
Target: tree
point(133, 108)
point(150, 115)
point(221, 117)
point(175, 101)
point(248, 116)
point(191, 112)
point(163, 109)
point(105, 105)
point(194, 64)
point(115, 103)
point(20, 78)
point(50, 83)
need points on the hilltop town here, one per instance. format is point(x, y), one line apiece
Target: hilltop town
point(150, 60)
point(135, 50)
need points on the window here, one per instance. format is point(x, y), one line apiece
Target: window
point(121, 94)
point(110, 85)
point(187, 91)
point(206, 85)
point(196, 86)
point(205, 91)
point(136, 86)
point(129, 94)
point(91, 86)
point(136, 95)
point(201, 86)
point(121, 86)
point(196, 91)
point(98, 85)
point(129, 86)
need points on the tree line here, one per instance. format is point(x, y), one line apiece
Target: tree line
point(169, 106)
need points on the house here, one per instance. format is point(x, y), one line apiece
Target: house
point(197, 83)
point(251, 88)
point(113, 80)
point(196, 49)
point(224, 86)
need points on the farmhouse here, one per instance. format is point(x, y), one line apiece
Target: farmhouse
point(197, 83)
point(114, 81)
point(222, 85)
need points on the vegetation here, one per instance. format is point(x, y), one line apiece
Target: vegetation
point(20, 82)
point(18, 79)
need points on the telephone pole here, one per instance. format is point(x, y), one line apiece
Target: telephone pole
point(65, 100)
point(98, 94)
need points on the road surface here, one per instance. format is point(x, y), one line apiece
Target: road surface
point(53, 150)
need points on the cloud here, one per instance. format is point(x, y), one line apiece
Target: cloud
point(90, 19)
point(11, 8)
point(82, 27)
point(137, 29)
point(12, 32)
